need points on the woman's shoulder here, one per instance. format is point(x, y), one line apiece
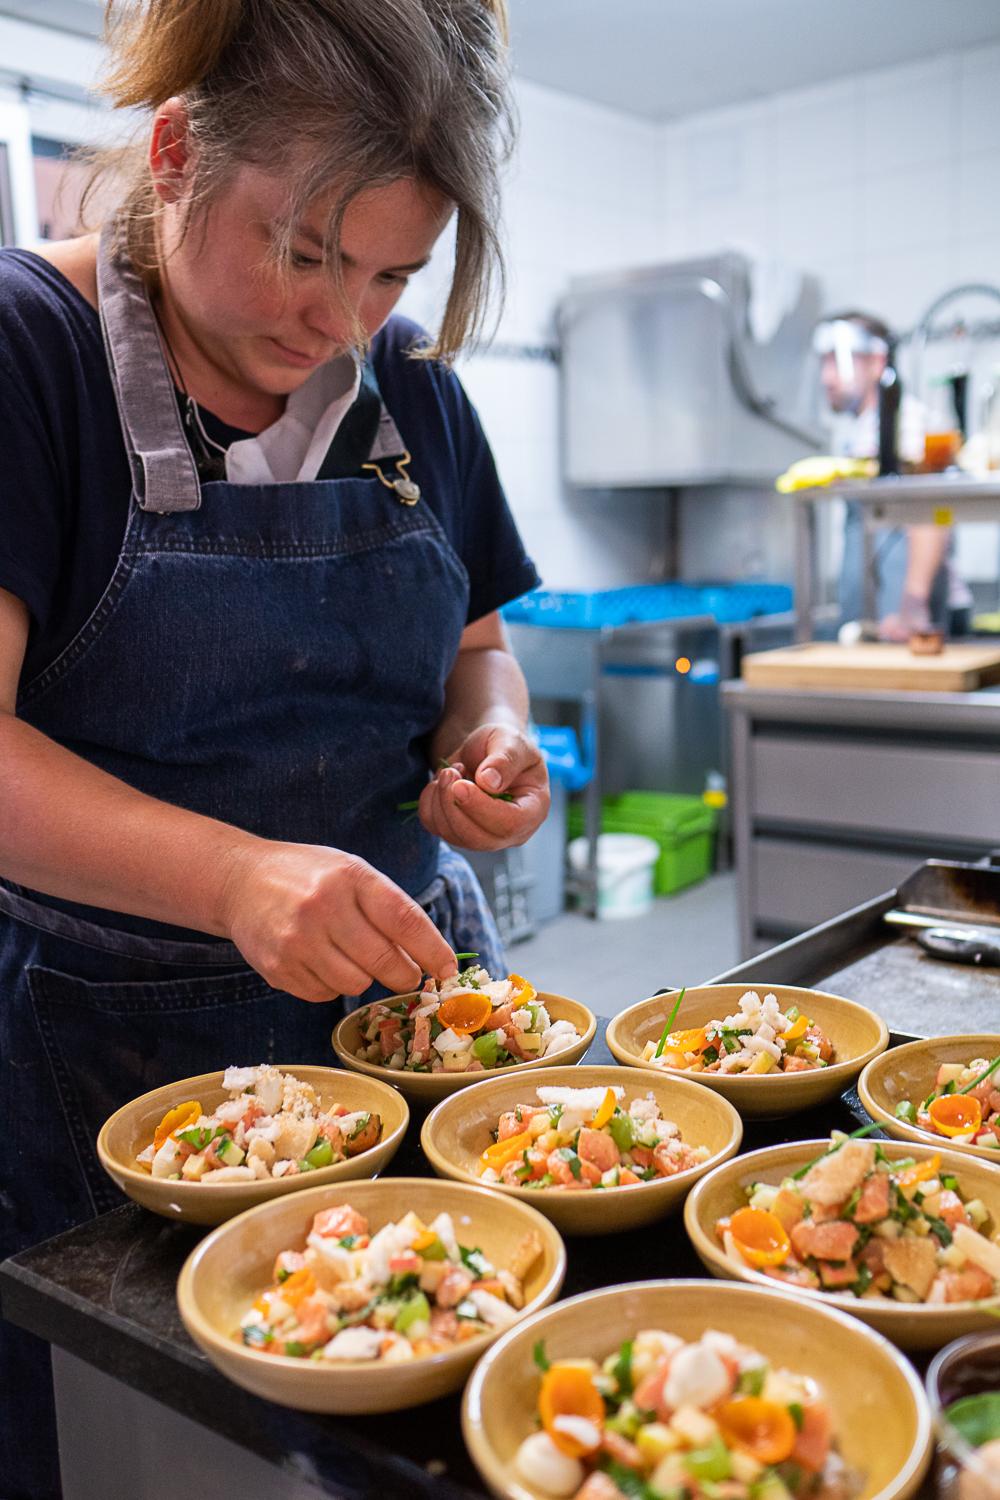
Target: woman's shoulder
point(50, 333)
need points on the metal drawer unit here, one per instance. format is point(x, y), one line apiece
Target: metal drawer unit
point(835, 795)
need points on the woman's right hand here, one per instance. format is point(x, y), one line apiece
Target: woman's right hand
point(319, 923)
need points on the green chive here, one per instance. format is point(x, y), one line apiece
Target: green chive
point(670, 1021)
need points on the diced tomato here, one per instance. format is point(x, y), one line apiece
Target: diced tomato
point(421, 1038)
point(642, 1156)
point(596, 1146)
point(837, 1275)
point(407, 1262)
point(951, 1209)
point(832, 1241)
point(812, 1441)
point(794, 1275)
point(970, 1284)
point(338, 1222)
point(619, 1448)
point(823, 1043)
point(626, 1178)
point(648, 1395)
point(874, 1201)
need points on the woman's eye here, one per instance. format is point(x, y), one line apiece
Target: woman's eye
point(387, 278)
point(304, 262)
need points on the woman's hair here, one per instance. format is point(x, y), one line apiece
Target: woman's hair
point(338, 95)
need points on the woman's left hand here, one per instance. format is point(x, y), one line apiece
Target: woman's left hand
point(493, 793)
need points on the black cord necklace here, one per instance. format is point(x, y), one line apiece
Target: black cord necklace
point(209, 456)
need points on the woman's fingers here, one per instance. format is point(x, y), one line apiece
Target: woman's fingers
point(403, 927)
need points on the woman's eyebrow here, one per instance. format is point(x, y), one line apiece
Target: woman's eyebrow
point(313, 238)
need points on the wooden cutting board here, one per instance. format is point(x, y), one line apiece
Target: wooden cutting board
point(820, 664)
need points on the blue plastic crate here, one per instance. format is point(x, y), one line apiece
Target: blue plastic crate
point(726, 602)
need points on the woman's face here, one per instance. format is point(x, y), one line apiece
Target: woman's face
point(266, 330)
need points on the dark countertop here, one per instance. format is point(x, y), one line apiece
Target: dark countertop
point(104, 1292)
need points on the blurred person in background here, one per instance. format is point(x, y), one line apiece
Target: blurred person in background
point(916, 587)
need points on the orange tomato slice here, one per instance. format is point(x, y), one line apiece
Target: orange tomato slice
point(299, 1286)
point(760, 1236)
point(798, 1029)
point(178, 1118)
point(694, 1040)
point(524, 992)
point(922, 1171)
point(568, 1390)
point(671, 1057)
point(466, 1012)
point(761, 1428)
point(955, 1114)
point(606, 1110)
point(501, 1152)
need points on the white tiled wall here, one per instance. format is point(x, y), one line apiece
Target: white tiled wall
point(583, 194)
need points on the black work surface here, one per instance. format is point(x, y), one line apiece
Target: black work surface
point(105, 1293)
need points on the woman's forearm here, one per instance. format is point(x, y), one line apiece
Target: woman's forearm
point(927, 548)
point(70, 830)
point(486, 686)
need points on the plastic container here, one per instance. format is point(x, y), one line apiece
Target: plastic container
point(625, 864)
point(683, 828)
point(727, 602)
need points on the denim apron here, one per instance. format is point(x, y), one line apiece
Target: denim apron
point(274, 656)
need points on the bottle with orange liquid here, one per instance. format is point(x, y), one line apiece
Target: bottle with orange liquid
point(942, 433)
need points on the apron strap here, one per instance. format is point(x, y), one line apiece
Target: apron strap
point(164, 476)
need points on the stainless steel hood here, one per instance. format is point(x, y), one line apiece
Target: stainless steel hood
point(663, 384)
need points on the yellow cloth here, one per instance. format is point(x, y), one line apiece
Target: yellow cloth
point(823, 469)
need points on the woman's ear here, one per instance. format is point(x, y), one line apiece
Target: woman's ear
point(170, 150)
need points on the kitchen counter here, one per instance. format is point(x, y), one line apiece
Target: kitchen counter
point(837, 795)
point(143, 1414)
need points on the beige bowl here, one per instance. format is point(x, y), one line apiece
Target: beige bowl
point(460, 1128)
point(223, 1275)
point(857, 1034)
point(130, 1129)
point(910, 1325)
point(908, 1072)
point(428, 1088)
point(888, 1440)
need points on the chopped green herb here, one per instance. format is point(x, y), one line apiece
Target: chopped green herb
point(622, 1369)
point(475, 1261)
point(797, 1414)
point(539, 1355)
point(670, 1021)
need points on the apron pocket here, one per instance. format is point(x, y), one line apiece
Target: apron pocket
point(106, 1043)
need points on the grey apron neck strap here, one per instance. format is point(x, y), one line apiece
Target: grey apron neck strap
point(163, 472)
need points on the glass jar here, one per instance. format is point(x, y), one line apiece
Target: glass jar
point(968, 1367)
point(942, 434)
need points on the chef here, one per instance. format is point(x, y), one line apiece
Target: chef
point(912, 579)
point(252, 552)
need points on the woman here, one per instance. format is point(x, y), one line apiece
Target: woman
point(249, 581)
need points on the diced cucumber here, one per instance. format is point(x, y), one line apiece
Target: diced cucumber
point(711, 1463)
point(229, 1153)
point(415, 1310)
point(906, 1110)
point(485, 1049)
point(321, 1154)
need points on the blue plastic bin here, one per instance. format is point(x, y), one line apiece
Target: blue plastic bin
point(726, 602)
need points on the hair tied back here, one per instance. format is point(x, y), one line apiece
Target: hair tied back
point(164, 47)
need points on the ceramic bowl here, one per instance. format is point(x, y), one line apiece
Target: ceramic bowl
point(857, 1034)
point(130, 1129)
point(231, 1266)
point(908, 1072)
point(428, 1088)
point(459, 1129)
point(910, 1325)
point(888, 1440)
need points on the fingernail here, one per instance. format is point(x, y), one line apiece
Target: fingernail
point(491, 780)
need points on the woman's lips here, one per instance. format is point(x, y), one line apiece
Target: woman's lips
point(296, 358)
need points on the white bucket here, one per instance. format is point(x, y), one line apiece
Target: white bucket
point(625, 863)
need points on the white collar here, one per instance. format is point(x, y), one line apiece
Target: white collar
point(293, 447)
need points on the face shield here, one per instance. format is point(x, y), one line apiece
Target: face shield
point(851, 361)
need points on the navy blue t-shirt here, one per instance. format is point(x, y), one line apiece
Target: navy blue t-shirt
point(64, 476)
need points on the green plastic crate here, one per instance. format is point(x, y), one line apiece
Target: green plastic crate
point(683, 827)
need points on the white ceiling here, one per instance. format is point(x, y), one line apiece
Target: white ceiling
point(665, 58)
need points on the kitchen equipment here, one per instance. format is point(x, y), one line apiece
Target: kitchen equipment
point(962, 945)
point(863, 955)
point(820, 664)
point(664, 385)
